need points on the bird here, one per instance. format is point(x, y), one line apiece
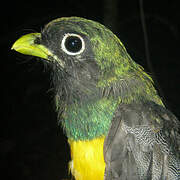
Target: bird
point(116, 124)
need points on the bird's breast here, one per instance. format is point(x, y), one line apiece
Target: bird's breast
point(87, 159)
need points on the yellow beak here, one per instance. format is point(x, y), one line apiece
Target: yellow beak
point(27, 45)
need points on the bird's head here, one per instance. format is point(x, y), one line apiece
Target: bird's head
point(88, 60)
point(84, 55)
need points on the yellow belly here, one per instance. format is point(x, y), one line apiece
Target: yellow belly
point(87, 159)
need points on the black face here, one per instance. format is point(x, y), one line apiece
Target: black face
point(67, 44)
point(78, 79)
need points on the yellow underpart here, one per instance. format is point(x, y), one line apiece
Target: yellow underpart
point(87, 159)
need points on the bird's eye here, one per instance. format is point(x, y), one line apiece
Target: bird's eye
point(72, 44)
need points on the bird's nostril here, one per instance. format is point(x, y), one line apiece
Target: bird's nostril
point(37, 40)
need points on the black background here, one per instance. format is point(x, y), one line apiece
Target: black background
point(32, 146)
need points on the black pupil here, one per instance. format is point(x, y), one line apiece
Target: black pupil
point(73, 44)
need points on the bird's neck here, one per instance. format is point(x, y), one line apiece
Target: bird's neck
point(88, 120)
point(92, 118)
point(89, 116)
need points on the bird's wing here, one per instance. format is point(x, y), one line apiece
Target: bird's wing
point(143, 143)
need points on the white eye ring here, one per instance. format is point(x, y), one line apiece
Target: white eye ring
point(64, 48)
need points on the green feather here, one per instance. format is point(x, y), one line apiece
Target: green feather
point(88, 120)
point(90, 86)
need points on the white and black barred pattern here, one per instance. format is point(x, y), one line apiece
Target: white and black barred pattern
point(147, 140)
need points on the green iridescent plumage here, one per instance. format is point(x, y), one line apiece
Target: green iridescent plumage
point(101, 92)
point(89, 120)
point(119, 77)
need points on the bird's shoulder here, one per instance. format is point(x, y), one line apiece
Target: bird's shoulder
point(147, 117)
point(147, 114)
point(138, 133)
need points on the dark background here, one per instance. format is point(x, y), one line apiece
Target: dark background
point(32, 146)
